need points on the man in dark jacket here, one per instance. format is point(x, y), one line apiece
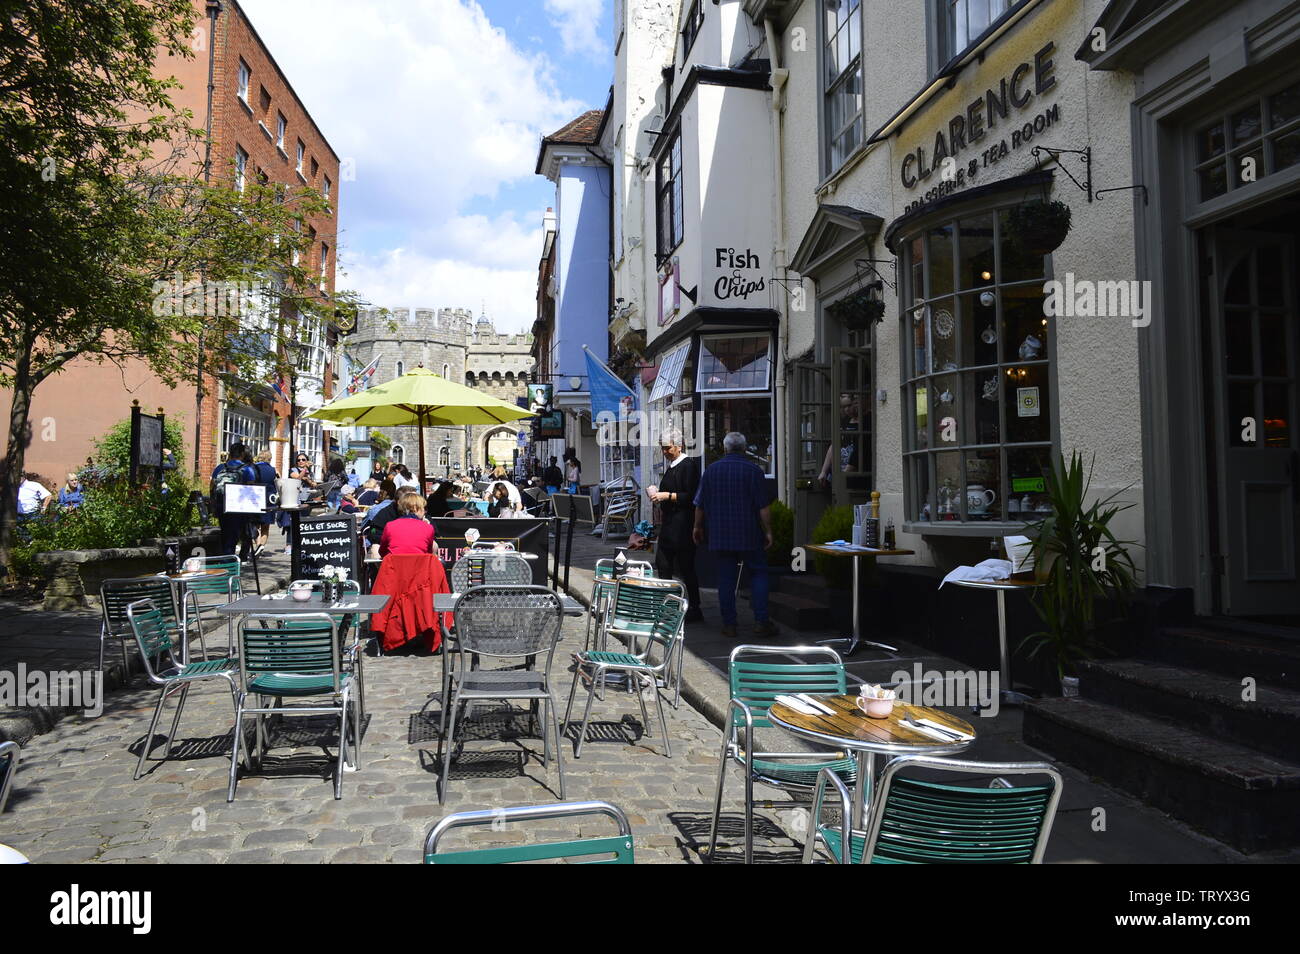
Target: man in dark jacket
point(675, 495)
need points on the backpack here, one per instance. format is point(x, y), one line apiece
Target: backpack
point(232, 473)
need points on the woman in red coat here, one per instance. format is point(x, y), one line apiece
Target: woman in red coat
point(409, 532)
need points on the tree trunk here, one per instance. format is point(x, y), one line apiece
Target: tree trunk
point(15, 456)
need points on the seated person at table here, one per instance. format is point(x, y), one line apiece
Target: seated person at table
point(442, 503)
point(372, 524)
point(501, 502)
point(369, 493)
point(408, 532)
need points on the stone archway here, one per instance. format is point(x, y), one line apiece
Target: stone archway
point(501, 440)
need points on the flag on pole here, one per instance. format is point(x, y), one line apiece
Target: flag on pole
point(609, 395)
point(278, 385)
point(361, 380)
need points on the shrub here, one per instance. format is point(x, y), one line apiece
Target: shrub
point(836, 524)
point(782, 534)
point(113, 450)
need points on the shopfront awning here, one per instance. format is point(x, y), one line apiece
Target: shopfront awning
point(713, 319)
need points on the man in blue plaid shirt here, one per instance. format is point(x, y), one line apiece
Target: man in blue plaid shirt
point(732, 513)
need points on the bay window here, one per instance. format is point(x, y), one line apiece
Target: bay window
point(977, 377)
point(733, 378)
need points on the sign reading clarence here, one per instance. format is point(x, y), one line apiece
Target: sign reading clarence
point(965, 130)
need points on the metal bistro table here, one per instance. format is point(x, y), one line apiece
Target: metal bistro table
point(856, 639)
point(850, 729)
point(353, 605)
point(1005, 692)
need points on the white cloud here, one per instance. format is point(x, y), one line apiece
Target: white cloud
point(439, 111)
point(578, 23)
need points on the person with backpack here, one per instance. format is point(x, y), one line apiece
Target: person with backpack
point(233, 471)
point(265, 474)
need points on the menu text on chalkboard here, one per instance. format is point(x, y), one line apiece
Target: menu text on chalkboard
point(329, 540)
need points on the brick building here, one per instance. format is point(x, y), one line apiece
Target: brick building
point(259, 127)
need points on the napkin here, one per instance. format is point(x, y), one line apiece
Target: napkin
point(797, 705)
point(929, 722)
point(987, 571)
point(932, 733)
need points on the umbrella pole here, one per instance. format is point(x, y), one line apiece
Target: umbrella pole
point(422, 453)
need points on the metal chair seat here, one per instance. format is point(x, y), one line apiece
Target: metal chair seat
point(293, 684)
point(201, 669)
point(788, 774)
point(491, 683)
point(624, 660)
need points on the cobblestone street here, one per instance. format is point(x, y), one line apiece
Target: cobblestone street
point(76, 800)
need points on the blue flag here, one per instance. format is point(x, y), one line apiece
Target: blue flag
point(609, 395)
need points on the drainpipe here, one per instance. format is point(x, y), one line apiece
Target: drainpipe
point(780, 75)
point(214, 10)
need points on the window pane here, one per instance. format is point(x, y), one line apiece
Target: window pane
point(1286, 151)
point(1240, 343)
point(920, 466)
point(1241, 405)
point(1028, 409)
point(920, 429)
point(948, 474)
point(1252, 160)
point(1017, 264)
point(1027, 470)
point(946, 407)
point(983, 488)
point(979, 329)
point(1210, 142)
point(1284, 106)
point(939, 263)
point(943, 333)
point(750, 416)
point(1245, 124)
point(975, 247)
point(1214, 181)
point(1272, 345)
point(981, 420)
point(920, 342)
point(1277, 415)
point(1024, 327)
point(732, 363)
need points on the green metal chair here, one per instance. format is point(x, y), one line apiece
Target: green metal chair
point(633, 608)
point(302, 663)
point(638, 669)
point(913, 821)
point(619, 846)
point(602, 592)
point(10, 753)
point(154, 636)
point(754, 687)
point(226, 588)
point(350, 643)
point(117, 594)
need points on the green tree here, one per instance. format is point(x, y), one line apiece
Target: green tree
point(113, 449)
point(112, 243)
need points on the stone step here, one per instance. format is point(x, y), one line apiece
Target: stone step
point(1205, 701)
point(1245, 798)
point(1266, 654)
point(798, 612)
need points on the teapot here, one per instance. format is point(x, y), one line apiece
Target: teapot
point(979, 499)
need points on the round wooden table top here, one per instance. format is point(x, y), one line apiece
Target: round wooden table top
point(194, 574)
point(850, 728)
point(865, 551)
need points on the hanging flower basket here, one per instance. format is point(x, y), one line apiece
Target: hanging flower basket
point(857, 310)
point(1039, 228)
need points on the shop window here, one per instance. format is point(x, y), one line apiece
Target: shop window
point(734, 363)
point(842, 79)
point(751, 416)
point(1247, 143)
point(977, 386)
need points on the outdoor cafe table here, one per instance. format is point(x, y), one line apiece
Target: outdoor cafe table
point(351, 605)
point(1006, 693)
point(850, 729)
point(856, 639)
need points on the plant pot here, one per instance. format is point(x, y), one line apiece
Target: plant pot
point(1039, 228)
point(857, 311)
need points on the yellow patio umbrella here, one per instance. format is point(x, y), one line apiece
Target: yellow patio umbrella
point(420, 399)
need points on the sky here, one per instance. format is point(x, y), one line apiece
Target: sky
point(439, 106)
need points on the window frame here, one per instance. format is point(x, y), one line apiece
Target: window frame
point(243, 82)
point(1265, 140)
point(945, 39)
point(692, 21)
point(244, 425)
point(673, 189)
point(282, 127)
point(826, 90)
point(302, 154)
point(241, 168)
point(909, 378)
point(699, 365)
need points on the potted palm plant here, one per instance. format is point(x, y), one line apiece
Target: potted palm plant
point(1078, 561)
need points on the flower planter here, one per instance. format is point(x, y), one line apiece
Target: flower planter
point(1039, 228)
point(857, 311)
point(73, 577)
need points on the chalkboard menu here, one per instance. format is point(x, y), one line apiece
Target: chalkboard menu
point(329, 540)
point(527, 535)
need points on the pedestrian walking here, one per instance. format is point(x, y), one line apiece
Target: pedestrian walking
point(232, 471)
point(552, 477)
point(264, 473)
point(675, 496)
point(733, 514)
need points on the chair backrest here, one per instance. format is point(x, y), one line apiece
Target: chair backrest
point(229, 578)
point(641, 600)
point(670, 626)
point(117, 594)
point(921, 821)
point(307, 649)
point(619, 846)
point(153, 635)
point(757, 684)
point(508, 621)
point(9, 756)
point(489, 568)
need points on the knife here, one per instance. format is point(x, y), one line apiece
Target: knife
point(821, 707)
